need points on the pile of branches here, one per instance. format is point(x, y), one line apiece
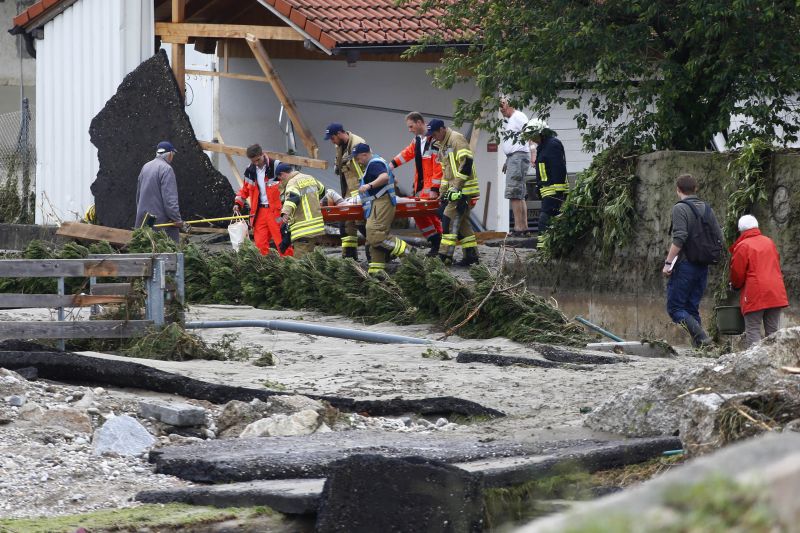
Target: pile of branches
point(744, 417)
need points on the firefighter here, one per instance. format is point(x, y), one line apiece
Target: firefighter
point(427, 176)
point(349, 173)
point(551, 171)
point(459, 191)
point(301, 212)
point(262, 192)
point(379, 200)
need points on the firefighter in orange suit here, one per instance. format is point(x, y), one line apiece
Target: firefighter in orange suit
point(424, 152)
point(261, 189)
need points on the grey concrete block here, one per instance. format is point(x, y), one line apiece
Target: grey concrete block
point(174, 414)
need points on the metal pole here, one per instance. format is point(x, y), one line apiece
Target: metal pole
point(61, 345)
point(154, 307)
point(599, 329)
point(310, 329)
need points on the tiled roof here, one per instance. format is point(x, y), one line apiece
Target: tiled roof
point(334, 23)
point(358, 22)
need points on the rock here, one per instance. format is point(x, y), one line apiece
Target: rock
point(122, 435)
point(174, 414)
point(698, 427)
point(441, 422)
point(236, 415)
point(658, 407)
point(30, 411)
point(66, 418)
point(294, 404)
point(16, 400)
point(148, 108)
point(31, 373)
point(86, 400)
point(302, 423)
point(407, 494)
point(323, 428)
point(98, 391)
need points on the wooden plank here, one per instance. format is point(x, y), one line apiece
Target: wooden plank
point(483, 236)
point(92, 232)
point(170, 259)
point(231, 162)
point(283, 95)
point(110, 289)
point(35, 301)
point(232, 75)
point(286, 158)
point(175, 30)
point(81, 329)
point(179, 48)
point(74, 268)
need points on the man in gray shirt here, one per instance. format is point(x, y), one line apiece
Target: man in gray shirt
point(157, 191)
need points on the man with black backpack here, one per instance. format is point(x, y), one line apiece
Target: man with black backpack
point(696, 244)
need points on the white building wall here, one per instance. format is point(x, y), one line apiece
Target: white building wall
point(86, 52)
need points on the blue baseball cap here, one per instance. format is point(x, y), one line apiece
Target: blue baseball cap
point(333, 129)
point(434, 125)
point(361, 148)
point(164, 147)
point(283, 167)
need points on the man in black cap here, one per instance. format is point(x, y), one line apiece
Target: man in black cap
point(349, 172)
point(157, 192)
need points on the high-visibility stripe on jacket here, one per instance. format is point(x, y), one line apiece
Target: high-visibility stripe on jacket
point(458, 165)
point(551, 168)
point(249, 190)
point(431, 168)
point(346, 165)
point(302, 204)
point(372, 194)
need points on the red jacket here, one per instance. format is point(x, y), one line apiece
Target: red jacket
point(431, 169)
point(756, 269)
point(250, 192)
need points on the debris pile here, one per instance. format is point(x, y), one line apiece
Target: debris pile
point(735, 397)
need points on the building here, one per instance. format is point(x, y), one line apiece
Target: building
point(333, 62)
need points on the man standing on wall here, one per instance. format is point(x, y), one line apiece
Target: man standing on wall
point(157, 192)
point(261, 191)
point(696, 244)
point(427, 176)
point(551, 171)
point(349, 172)
point(516, 166)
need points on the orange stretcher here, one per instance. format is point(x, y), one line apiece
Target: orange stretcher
point(406, 208)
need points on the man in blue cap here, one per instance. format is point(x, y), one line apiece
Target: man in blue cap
point(349, 172)
point(157, 192)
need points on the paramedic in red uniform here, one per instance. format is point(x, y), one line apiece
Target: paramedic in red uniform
point(424, 152)
point(261, 189)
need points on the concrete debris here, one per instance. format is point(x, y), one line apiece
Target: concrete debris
point(66, 418)
point(16, 400)
point(174, 414)
point(641, 349)
point(303, 423)
point(661, 407)
point(122, 435)
point(405, 494)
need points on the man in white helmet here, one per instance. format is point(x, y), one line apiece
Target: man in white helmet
point(551, 171)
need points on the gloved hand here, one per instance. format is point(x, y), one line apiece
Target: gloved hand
point(442, 206)
point(286, 240)
point(236, 210)
point(454, 195)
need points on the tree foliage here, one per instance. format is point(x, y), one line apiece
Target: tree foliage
point(660, 74)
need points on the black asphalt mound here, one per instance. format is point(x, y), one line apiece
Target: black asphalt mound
point(147, 109)
point(75, 368)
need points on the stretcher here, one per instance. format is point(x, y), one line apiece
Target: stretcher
point(406, 208)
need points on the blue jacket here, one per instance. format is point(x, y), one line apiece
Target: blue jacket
point(551, 168)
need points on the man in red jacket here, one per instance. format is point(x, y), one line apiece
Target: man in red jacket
point(756, 270)
point(424, 151)
point(260, 188)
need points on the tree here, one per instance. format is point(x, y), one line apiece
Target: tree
point(654, 74)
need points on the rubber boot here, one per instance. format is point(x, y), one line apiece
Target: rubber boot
point(700, 338)
point(436, 241)
point(351, 253)
point(470, 257)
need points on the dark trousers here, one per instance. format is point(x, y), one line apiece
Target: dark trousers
point(551, 206)
point(685, 289)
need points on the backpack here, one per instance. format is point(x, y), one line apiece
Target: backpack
point(704, 244)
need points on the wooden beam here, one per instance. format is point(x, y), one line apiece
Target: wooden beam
point(231, 162)
point(92, 232)
point(283, 95)
point(286, 158)
point(176, 31)
point(80, 329)
point(231, 75)
point(35, 301)
point(74, 268)
point(111, 289)
point(179, 48)
point(170, 260)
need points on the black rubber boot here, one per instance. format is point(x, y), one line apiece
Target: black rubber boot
point(436, 241)
point(700, 338)
point(446, 259)
point(351, 253)
point(470, 257)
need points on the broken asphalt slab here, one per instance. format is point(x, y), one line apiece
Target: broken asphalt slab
point(75, 368)
point(302, 496)
point(545, 356)
point(224, 461)
point(512, 360)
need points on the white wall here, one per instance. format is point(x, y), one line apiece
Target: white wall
point(86, 52)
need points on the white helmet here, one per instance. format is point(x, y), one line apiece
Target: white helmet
point(535, 126)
